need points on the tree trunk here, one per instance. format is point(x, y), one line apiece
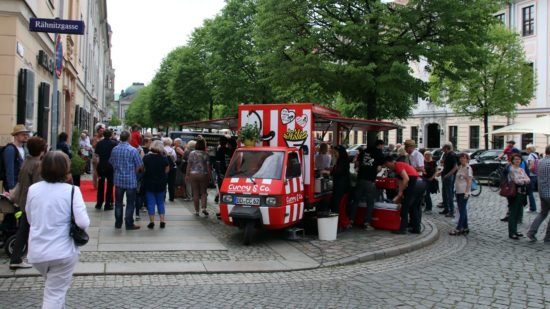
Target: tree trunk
point(372, 114)
point(486, 129)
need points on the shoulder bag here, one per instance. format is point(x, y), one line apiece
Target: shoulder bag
point(507, 188)
point(79, 235)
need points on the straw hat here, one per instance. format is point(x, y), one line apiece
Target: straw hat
point(20, 128)
point(410, 143)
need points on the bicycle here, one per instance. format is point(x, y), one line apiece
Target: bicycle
point(493, 181)
point(475, 189)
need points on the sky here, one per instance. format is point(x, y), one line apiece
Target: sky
point(145, 31)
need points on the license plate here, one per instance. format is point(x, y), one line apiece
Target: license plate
point(241, 200)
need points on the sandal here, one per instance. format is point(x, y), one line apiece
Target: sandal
point(204, 212)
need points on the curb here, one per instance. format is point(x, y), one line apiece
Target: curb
point(425, 241)
point(295, 263)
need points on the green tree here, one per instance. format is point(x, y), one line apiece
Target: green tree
point(499, 82)
point(115, 121)
point(138, 111)
point(361, 50)
point(225, 45)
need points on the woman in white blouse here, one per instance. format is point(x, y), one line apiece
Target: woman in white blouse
point(51, 250)
point(463, 184)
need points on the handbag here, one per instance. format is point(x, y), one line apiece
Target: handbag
point(507, 188)
point(79, 235)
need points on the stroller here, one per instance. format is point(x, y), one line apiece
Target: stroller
point(8, 224)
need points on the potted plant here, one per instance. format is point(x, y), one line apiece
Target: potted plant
point(77, 163)
point(249, 135)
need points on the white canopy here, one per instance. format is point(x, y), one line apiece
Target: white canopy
point(539, 125)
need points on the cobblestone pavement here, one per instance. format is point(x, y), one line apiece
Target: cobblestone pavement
point(482, 270)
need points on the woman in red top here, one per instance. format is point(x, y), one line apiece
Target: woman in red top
point(408, 194)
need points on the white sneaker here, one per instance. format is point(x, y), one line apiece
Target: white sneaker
point(20, 265)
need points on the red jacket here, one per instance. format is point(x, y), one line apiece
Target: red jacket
point(135, 139)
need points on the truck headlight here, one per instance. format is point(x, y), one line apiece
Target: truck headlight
point(271, 201)
point(227, 198)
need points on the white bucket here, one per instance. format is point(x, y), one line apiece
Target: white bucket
point(327, 227)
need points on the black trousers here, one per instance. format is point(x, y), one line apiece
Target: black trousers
point(411, 204)
point(21, 240)
point(101, 189)
point(172, 184)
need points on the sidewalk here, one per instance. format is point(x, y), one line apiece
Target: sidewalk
point(191, 244)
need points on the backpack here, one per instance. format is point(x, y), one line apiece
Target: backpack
point(535, 166)
point(2, 163)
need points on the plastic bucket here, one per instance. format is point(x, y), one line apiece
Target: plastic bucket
point(327, 227)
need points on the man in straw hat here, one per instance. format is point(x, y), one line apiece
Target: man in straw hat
point(14, 154)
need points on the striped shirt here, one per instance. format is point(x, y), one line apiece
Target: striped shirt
point(125, 159)
point(543, 174)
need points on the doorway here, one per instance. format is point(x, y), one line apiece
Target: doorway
point(433, 135)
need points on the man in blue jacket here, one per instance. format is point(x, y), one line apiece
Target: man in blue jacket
point(14, 154)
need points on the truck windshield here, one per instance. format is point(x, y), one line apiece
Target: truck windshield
point(257, 164)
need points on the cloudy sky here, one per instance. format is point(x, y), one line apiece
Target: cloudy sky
point(145, 31)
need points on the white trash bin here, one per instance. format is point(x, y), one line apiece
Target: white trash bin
point(327, 227)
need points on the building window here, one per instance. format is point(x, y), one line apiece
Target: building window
point(501, 17)
point(453, 135)
point(414, 134)
point(528, 24)
point(399, 136)
point(498, 141)
point(386, 137)
point(526, 139)
point(474, 137)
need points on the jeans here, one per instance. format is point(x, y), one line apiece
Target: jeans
point(130, 203)
point(544, 209)
point(428, 200)
point(516, 211)
point(155, 198)
point(530, 188)
point(448, 194)
point(462, 203)
point(365, 192)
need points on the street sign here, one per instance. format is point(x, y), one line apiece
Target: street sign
point(56, 25)
point(58, 56)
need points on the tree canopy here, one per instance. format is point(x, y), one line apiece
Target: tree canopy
point(501, 80)
point(348, 54)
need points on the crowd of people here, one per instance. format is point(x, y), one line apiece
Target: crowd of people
point(419, 177)
point(145, 172)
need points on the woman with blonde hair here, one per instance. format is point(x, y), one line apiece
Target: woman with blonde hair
point(52, 251)
point(156, 168)
point(172, 157)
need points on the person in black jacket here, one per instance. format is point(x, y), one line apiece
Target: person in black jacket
point(62, 144)
point(105, 171)
point(340, 177)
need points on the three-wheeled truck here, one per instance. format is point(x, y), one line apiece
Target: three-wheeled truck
point(272, 184)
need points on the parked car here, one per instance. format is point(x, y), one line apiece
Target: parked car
point(353, 150)
point(484, 162)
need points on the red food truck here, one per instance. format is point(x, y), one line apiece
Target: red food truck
point(272, 184)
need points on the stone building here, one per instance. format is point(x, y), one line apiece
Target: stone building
point(27, 67)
